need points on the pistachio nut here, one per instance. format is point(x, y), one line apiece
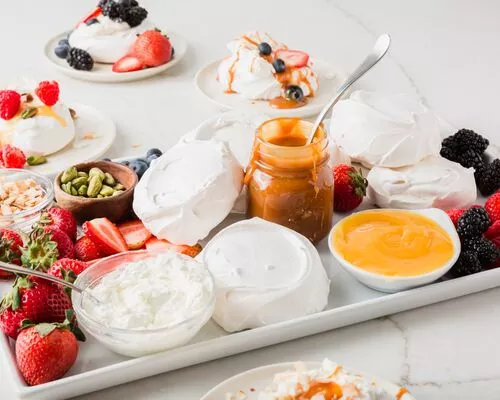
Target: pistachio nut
point(95, 185)
point(69, 175)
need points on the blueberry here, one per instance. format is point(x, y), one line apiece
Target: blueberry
point(126, 163)
point(139, 166)
point(92, 21)
point(294, 92)
point(279, 65)
point(62, 51)
point(156, 152)
point(151, 158)
point(63, 42)
point(265, 48)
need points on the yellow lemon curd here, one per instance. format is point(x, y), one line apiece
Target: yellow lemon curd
point(393, 243)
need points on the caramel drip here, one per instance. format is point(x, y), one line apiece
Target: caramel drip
point(46, 111)
point(232, 71)
point(281, 103)
point(402, 391)
point(250, 40)
point(329, 390)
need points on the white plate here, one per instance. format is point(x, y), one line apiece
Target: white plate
point(103, 72)
point(329, 81)
point(89, 122)
point(258, 379)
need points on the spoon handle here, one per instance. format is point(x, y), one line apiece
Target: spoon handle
point(379, 50)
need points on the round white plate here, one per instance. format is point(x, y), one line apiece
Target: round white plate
point(329, 81)
point(256, 380)
point(95, 133)
point(103, 72)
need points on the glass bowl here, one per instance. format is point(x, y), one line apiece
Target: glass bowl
point(135, 342)
point(23, 220)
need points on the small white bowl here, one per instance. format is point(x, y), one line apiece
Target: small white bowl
point(392, 284)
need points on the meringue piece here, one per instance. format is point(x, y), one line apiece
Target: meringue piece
point(385, 130)
point(434, 182)
point(264, 273)
point(188, 191)
point(106, 41)
point(248, 73)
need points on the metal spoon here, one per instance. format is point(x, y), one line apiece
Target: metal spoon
point(26, 271)
point(379, 50)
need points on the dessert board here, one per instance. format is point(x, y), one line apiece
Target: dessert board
point(103, 72)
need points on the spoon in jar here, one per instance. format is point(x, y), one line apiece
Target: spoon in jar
point(26, 271)
point(379, 50)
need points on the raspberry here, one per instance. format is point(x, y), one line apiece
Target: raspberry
point(493, 231)
point(493, 207)
point(12, 157)
point(455, 214)
point(10, 103)
point(48, 92)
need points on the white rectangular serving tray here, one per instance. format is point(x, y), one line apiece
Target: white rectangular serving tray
point(350, 302)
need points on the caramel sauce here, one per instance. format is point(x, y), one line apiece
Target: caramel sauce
point(46, 111)
point(329, 390)
point(402, 391)
point(232, 70)
point(250, 40)
point(289, 141)
point(281, 103)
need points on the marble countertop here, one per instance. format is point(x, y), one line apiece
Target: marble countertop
point(446, 51)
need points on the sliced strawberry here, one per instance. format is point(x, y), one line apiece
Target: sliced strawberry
point(293, 58)
point(135, 233)
point(128, 64)
point(105, 235)
point(155, 244)
point(93, 14)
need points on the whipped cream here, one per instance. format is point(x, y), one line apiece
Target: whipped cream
point(106, 41)
point(248, 73)
point(264, 273)
point(152, 293)
point(433, 182)
point(385, 130)
point(188, 191)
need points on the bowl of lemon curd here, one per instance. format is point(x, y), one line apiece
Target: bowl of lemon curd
point(393, 250)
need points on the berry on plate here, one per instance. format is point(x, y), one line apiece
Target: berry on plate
point(486, 251)
point(293, 58)
point(79, 59)
point(60, 218)
point(128, 63)
point(492, 206)
point(152, 48)
point(48, 92)
point(155, 244)
point(92, 15)
point(135, 233)
point(468, 263)
point(40, 252)
point(349, 187)
point(86, 249)
point(67, 269)
point(493, 231)
point(10, 250)
point(455, 214)
point(105, 235)
point(10, 103)
point(45, 352)
point(65, 247)
point(488, 178)
point(12, 157)
point(473, 222)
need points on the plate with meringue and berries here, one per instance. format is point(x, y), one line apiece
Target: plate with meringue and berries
point(38, 130)
point(115, 42)
point(264, 76)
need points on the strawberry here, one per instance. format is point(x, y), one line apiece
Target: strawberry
point(60, 218)
point(86, 249)
point(40, 252)
point(492, 206)
point(10, 250)
point(65, 247)
point(93, 14)
point(67, 269)
point(45, 352)
point(48, 92)
point(12, 157)
point(349, 187)
point(293, 58)
point(135, 233)
point(152, 48)
point(10, 103)
point(155, 244)
point(455, 214)
point(493, 231)
point(128, 64)
point(36, 300)
point(105, 235)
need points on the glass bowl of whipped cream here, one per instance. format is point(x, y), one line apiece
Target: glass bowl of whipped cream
point(148, 301)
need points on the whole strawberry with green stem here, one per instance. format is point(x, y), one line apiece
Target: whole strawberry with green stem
point(349, 187)
point(10, 250)
point(45, 352)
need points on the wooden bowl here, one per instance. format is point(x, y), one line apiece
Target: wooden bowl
point(114, 208)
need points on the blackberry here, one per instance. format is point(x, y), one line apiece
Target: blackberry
point(486, 251)
point(129, 3)
point(102, 3)
point(470, 159)
point(468, 263)
point(451, 143)
point(134, 16)
point(112, 10)
point(468, 139)
point(473, 222)
point(79, 59)
point(448, 153)
point(488, 178)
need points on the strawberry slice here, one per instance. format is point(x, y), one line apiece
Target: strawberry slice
point(105, 235)
point(155, 244)
point(293, 58)
point(128, 64)
point(93, 14)
point(135, 234)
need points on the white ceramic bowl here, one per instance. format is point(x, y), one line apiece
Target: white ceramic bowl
point(391, 284)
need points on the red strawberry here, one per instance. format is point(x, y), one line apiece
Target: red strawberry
point(105, 235)
point(36, 300)
point(135, 233)
point(12, 157)
point(492, 205)
point(155, 244)
point(60, 218)
point(45, 352)
point(152, 48)
point(455, 214)
point(293, 58)
point(48, 92)
point(10, 250)
point(349, 187)
point(65, 245)
point(10, 103)
point(128, 64)
point(86, 249)
point(67, 269)
point(493, 231)
point(93, 14)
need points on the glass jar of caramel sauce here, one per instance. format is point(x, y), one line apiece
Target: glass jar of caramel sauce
point(289, 182)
